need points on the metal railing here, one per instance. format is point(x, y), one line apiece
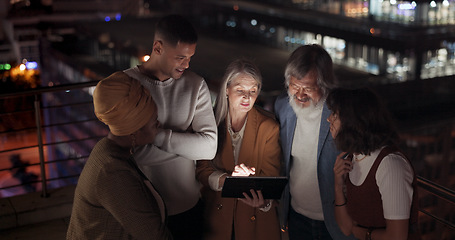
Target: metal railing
point(38, 109)
point(442, 193)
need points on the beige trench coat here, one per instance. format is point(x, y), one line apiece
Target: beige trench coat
point(260, 149)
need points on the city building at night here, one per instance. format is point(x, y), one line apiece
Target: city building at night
point(402, 40)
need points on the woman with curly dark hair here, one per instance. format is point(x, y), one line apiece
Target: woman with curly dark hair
point(375, 184)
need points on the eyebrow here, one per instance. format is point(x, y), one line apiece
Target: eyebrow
point(180, 55)
point(241, 85)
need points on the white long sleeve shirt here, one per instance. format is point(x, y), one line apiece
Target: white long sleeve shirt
point(190, 133)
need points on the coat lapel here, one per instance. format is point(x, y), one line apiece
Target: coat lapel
point(249, 138)
point(228, 154)
point(289, 123)
point(324, 129)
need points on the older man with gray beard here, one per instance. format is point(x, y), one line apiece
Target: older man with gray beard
point(308, 149)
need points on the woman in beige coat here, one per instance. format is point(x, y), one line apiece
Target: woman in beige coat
point(248, 145)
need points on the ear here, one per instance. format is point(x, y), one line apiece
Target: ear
point(158, 47)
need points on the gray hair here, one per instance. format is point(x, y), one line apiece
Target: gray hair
point(235, 68)
point(308, 58)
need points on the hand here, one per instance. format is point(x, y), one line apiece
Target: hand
point(256, 199)
point(243, 171)
point(341, 168)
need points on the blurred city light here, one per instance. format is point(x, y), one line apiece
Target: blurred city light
point(406, 6)
point(5, 66)
point(145, 58)
point(31, 65)
point(231, 24)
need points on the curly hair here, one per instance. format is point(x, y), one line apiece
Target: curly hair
point(366, 124)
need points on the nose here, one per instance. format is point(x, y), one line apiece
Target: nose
point(186, 63)
point(300, 93)
point(246, 95)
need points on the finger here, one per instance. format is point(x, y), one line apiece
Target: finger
point(254, 195)
point(346, 164)
point(261, 198)
point(247, 197)
point(244, 201)
point(342, 155)
point(258, 200)
point(248, 171)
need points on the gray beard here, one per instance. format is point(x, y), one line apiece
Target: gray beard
point(305, 111)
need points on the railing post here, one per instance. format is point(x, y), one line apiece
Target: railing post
point(39, 132)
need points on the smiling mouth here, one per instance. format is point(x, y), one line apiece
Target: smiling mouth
point(303, 100)
point(245, 104)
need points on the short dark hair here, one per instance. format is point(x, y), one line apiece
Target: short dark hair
point(366, 124)
point(307, 58)
point(174, 29)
